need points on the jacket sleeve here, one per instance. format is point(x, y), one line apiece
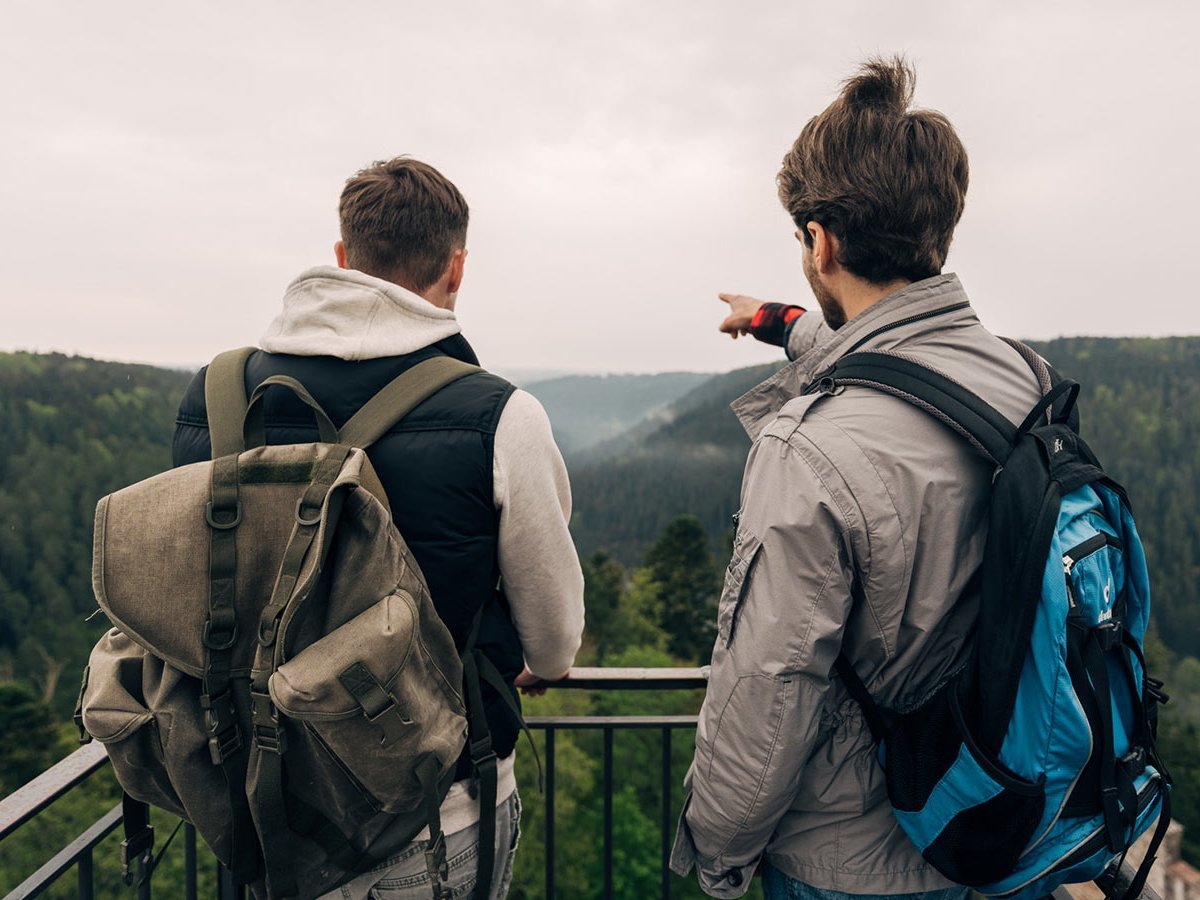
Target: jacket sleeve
point(542, 578)
point(786, 597)
point(803, 333)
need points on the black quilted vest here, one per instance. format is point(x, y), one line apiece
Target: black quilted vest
point(436, 466)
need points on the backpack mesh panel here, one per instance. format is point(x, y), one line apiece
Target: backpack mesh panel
point(921, 747)
point(972, 850)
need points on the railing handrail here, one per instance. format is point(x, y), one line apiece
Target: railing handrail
point(27, 801)
point(30, 799)
point(612, 678)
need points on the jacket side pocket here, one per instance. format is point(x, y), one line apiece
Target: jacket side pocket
point(737, 579)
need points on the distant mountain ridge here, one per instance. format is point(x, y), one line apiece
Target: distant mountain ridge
point(587, 410)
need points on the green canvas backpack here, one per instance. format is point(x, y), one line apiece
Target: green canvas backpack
point(277, 674)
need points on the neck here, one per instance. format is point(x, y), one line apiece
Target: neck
point(440, 299)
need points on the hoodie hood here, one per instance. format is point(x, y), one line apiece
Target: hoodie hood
point(328, 311)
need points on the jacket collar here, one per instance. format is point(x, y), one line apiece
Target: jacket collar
point(901, 317)
point(329, 311)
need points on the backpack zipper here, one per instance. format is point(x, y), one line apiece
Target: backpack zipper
point(908, 321)
point(1092, 842)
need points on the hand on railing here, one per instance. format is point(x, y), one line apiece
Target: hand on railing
point(532, 686)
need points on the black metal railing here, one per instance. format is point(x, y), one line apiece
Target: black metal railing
point(23, 805)
point(616, 680)
point(20, 807)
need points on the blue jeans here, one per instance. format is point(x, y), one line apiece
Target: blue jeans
point(777, 886)
point(404, 876)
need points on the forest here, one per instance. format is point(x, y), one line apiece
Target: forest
point(652, 515)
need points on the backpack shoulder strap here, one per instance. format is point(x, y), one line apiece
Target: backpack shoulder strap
point(946, 400)
point(400, 396)
point(225, 400)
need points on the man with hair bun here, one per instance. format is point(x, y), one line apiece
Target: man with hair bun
point(862, 519)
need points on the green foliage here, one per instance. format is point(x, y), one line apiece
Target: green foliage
point(32, 740)
point(603, 584)
point(74, 430)
point(686, 460)
point(683, 568)
point(666, 606)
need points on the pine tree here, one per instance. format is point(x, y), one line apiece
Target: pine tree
point(681, 564)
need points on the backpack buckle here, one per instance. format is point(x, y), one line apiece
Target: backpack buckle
point(268, 733)
point(1109, 635)
point(482, 752)
point(1153, 690)
point(435, 858)
point(134, 847)
point(1133, 762)
point(225, 738)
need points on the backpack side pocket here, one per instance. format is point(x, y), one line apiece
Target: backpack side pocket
point(969, 816)
point(115, 712)
point(371, 701)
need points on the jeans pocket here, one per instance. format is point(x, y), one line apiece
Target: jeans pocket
point(505, 879)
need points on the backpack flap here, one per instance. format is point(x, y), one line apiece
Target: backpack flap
point(151, 553)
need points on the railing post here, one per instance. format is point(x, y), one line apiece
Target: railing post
point(549, 842)
point(666, 813)
point(608, 812)
point(189, 860)
point(85, 884)
point(143, 875)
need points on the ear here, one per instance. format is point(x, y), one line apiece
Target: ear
point(339, 253)
point(825, 247)
point(454, 272)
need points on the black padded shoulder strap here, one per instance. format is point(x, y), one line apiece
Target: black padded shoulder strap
point(946, 400)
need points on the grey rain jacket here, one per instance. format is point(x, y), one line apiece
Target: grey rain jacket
point(862, 521)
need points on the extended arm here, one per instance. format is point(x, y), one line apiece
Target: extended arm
point(780, 324)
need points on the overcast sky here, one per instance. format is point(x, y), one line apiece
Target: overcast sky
point(167, 169)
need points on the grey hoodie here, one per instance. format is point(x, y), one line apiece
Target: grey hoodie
point(862, 521)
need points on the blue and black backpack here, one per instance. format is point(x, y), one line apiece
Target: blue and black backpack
point(1035, 764)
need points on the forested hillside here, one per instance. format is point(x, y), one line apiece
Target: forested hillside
point(686, 460)
point(652, 512)
point(73, 430)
